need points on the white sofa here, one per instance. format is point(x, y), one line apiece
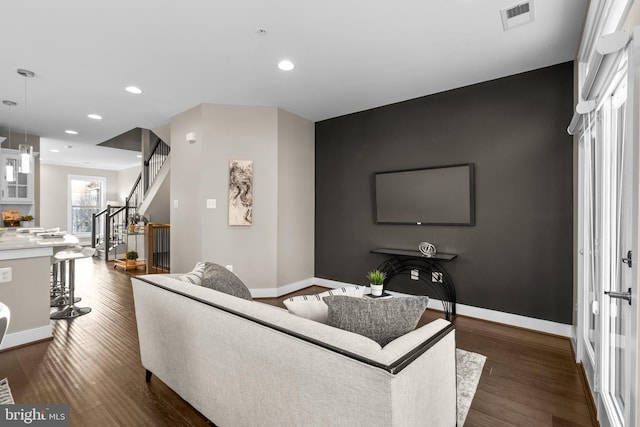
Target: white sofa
point(245, 363)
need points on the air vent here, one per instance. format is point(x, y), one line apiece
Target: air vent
point(517, 15)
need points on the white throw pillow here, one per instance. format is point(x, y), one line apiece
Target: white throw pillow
point(314, 308)
point(195, 276)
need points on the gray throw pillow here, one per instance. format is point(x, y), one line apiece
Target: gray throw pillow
point(219, 278)
point(381, 320)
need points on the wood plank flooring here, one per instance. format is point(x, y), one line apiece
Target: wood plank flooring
point(93, 364)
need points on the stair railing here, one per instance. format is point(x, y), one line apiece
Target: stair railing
point(158, 238)
point(154, 161)
point(107, 228)
point(134, 199)
point(109, 224)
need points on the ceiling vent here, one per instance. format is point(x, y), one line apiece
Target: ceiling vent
point(517, 15)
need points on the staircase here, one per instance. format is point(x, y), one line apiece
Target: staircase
point(109, 228)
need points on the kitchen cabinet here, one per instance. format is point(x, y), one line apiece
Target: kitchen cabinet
point(17, 187)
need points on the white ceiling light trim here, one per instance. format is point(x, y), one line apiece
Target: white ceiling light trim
point(94, 116)
point(133, 89)
point(286, 65)
point(71, 132)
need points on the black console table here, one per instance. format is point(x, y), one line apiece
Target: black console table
point(404, 261)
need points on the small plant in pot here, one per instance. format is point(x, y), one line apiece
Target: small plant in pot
point(131, 256)
point(26, 221)
point(376, 282)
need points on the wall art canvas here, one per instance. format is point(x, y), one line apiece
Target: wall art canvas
point(241, 192)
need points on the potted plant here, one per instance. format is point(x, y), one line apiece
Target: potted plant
point(131, 256)
point(376, 282)
point(26, 221)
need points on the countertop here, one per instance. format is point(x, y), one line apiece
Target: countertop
point(11, 240)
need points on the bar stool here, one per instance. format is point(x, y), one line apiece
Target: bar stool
point(69, 256)
point(59, 296)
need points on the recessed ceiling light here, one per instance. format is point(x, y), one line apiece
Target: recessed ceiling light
point(286, 65)
point(133, 89)
point(139, 156)
point(54, 150)
point(71, 132)
point(94, 116)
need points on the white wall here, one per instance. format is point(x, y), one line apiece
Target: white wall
point(159, 210)
point(186, 162)
point(200, 171)
point(126, 179)
point(164, 133)
point(296, 197)
point(54, 192)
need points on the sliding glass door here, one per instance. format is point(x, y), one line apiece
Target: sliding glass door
point(590, 201)
point(607, 235)
point(617, 279)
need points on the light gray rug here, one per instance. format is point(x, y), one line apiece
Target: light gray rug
point(469, 369)
point(5, 393)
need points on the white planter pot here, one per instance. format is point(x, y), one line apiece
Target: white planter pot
point(376, 290)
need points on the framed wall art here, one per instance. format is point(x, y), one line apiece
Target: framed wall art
point(241, 192)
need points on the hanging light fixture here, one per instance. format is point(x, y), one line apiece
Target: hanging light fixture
point(9, 170)
point(26, 150)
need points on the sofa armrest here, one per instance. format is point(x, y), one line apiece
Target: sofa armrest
point(404, 349)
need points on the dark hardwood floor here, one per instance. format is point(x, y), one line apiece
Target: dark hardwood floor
point(93, 364)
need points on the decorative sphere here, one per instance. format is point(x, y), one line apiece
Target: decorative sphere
point(427, 249)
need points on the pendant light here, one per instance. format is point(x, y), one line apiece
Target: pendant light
point(9, 170)
point(26, 150)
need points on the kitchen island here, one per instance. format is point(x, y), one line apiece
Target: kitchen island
point(25, 265)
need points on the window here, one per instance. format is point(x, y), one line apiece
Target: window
point(86, 197)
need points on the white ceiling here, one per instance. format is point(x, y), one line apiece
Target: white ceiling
point(350, 55)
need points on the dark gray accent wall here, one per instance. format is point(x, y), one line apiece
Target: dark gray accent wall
point(518, 256)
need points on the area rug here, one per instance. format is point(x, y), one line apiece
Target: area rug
point(5, 393)
point(469, 369)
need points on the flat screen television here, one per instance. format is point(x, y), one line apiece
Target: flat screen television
point(430, 196)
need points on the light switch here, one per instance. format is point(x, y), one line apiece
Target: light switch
point(175, 203)
point(211, 203)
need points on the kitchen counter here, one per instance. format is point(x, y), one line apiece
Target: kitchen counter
point(25, 263)
point(12, 240)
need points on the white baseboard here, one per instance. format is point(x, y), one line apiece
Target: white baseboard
point(281, 290)
point(25, 337)
point(482, 313)
point(509, 319)
point(333, 284)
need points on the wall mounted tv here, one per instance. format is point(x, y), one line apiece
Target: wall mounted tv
point(431, 196)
